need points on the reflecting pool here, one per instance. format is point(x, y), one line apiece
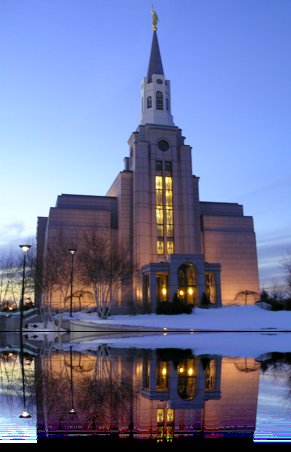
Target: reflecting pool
point(147, 395)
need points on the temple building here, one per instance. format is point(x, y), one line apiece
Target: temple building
point(179, 245)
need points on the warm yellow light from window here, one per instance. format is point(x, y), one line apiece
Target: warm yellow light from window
point(190, 371)
point(181, 293)
point(168, 181)
point(181, 370)
point(190, 291)
point(164, 291)
point(170, 415)
point(159, 182)
point(164, 371)
point(170, 247)
point(160, 415)
point(159, 215)
point(160, 247)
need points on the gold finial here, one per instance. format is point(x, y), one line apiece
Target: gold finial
point(155, 19)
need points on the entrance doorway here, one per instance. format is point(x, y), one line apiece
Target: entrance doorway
point(187, 284)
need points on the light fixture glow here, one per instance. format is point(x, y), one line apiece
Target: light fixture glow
point(25, 248)
point(25, 415)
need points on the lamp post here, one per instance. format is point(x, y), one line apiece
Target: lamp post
point(24, 249)
point(72, 251)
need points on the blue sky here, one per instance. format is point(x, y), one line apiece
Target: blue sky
point(70, 79)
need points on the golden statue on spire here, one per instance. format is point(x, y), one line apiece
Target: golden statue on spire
point(155, 19)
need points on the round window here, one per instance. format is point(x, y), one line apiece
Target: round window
point(163, 145)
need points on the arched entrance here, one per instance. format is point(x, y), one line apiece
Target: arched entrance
point(187, 283)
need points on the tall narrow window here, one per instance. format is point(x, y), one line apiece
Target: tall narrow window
point(159, 100)
point(160, 247)
point(164, 209)
point(169, 213)
point(159, 167)
point(149, 102)
point(168, 168)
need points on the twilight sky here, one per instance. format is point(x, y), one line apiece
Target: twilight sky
point(70, 79)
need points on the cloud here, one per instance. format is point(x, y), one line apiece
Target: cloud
point(11, 236)
point(11, 232)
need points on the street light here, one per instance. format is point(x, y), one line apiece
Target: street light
point(72, 251)
point(24, 249)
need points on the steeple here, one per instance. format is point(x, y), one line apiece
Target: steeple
point(155, 63)
point(156, 94)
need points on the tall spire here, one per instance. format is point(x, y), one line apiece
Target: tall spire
point(155, 63)
point(156, 96)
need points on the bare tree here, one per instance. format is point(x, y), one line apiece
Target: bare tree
point(11, 278)
point(247, 293)
point(55, 278)
point(8, 272)
point(286, 264)
point(104, 266)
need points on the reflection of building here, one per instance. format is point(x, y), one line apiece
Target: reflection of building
point(158, 394)
point(178, 244)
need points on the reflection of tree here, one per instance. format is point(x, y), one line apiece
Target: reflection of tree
point(279, 365)
point(102, 394)
point(107, 393)
point(247, 365)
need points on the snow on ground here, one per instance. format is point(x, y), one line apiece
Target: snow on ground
point(231, 318)
point(258, 332)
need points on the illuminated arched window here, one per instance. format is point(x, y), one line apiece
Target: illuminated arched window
point(187, 379)
point(187, 283)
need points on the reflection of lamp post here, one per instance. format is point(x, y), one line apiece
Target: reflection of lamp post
point(25, 414)
point(24, 248)
point(72, 410)
point(72, 251)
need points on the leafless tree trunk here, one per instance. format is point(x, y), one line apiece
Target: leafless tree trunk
point(8, 271)
point(104, 266)
point(287, 267)
point(55, 278)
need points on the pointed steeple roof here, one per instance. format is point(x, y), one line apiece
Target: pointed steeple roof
point(155, 63)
